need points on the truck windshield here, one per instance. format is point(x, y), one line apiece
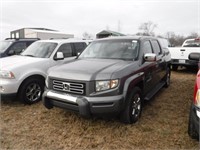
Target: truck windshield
point(40, 49)
point(4, 45)
point(112, 49)
point(192, 43)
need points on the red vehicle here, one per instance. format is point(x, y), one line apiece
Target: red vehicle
point(194, 116)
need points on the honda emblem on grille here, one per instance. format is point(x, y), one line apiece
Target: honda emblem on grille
point(66, 86)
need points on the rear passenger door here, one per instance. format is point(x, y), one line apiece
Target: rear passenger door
point(160, 64)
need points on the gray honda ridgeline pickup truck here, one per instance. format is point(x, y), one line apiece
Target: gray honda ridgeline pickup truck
point(111, 76)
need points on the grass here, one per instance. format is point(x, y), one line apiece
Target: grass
point(163, 124)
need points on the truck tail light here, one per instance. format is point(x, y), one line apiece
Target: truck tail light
point(195, 93)
point(196, 96)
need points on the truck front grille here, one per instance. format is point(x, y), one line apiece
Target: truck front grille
point(69, 87)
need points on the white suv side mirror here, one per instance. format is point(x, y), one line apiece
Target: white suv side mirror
point(150, 57)
point(59, 56)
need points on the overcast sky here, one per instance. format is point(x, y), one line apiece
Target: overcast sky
point(92, 16)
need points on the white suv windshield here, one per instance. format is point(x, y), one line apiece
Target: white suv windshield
point(112, 49)
point(4, 45)
point(40, 49)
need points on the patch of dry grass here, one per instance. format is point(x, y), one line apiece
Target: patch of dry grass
point(163, 124)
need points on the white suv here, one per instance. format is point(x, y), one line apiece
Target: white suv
point(24, 75)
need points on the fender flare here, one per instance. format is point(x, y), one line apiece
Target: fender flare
point(135, 79)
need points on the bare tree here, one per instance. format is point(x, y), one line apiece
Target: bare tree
point(87, 36)
point(193, 35)
point(147, 28)
point(175, 39)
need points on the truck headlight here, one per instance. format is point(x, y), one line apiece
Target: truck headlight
point(6, 74)
point(106, 85)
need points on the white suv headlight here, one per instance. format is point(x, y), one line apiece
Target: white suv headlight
point(106, 85)
point(6, 74)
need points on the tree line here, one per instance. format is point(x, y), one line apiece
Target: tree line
point(148, 29)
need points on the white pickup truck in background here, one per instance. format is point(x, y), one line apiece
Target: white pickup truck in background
point(180, 55)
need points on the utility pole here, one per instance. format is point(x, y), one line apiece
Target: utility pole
point(119, 26)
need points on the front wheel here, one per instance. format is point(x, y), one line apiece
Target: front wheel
point(191, 128)
point(133, 108)
point(31, 90)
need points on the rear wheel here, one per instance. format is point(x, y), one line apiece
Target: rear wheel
point(167, 78)
point(133, 108)
point(174, 67)
point(191, 128)
point(31, 90)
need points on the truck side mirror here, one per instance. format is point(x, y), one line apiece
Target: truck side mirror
point(59, 56)
point(194, 56)
point(150, 57)
point(11, 52)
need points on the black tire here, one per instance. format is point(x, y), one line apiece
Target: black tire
point(133, 108)
point(191, 128)
point(46, 103)
point(174, 67)
point(31, 90)
point(167, 78)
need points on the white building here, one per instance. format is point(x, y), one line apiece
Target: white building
point(41, 33)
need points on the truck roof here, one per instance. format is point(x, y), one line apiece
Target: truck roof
point(127, 37)
point(21, 39)
point(63, 40)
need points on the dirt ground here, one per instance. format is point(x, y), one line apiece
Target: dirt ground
point(163, 124)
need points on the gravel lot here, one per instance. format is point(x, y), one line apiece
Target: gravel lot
point(163, 124)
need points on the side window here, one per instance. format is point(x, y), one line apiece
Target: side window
point(66, 49)
point(18, 47)
point(79, 47)
point(147, 47)
point(29, 43)
point(156, 47)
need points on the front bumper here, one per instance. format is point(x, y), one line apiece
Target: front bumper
point(8, 86)
point(85, 106)
point(184, 62)
point(8, 96)
point(195, 115)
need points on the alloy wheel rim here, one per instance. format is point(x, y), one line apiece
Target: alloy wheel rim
point(168, 79)
point(33, 92)
point(136, 106)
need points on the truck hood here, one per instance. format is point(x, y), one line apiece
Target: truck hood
point(16, 61)
point(88, 69)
